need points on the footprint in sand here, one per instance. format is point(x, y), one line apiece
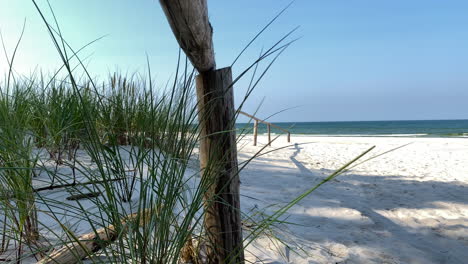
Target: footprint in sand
point(339, 251)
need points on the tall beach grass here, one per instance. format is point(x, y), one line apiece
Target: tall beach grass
point(80, 155)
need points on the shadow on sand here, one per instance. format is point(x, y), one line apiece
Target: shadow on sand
point(372, 198)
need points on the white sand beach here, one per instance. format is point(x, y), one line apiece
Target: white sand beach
point(407, 206)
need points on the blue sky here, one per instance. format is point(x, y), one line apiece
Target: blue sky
point(356, 60)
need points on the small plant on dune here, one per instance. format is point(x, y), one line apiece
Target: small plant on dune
point(17, 168)
point(59, 116)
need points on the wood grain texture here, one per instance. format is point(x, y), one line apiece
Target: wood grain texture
point(218, 160)
point(189, 23)
point(218, 152)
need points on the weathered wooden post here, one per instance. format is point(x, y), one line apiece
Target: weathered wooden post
point(255, 132)
point(269, 134)
point(218, 152)
point(289, 137)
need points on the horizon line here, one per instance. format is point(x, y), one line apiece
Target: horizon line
point(390, 120)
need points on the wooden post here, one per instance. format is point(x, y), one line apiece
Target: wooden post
point(289, 137)
point(218, 159)
point(269, 134)
point(192, 29)
point(255, 132)
point(218, 152)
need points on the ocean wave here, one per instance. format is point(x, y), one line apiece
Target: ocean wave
point(362, 135)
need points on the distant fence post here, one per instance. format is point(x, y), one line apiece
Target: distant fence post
point(255, 132)
point(269, 134)
point(269, 125)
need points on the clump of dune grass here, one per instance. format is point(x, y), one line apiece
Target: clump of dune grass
point(17, 168)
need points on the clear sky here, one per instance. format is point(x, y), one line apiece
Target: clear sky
point(356, 60)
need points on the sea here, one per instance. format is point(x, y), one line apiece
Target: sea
point(413, 128)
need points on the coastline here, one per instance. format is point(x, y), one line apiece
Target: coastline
point(418, 135)
point(405, 128)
